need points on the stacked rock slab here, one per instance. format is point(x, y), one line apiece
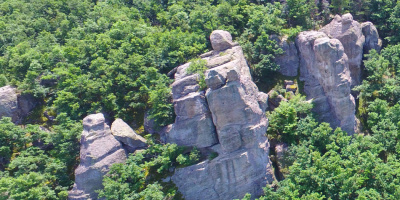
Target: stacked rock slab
point(99, 150)
point(237, 112)
point(325, 71)
point(127, 136)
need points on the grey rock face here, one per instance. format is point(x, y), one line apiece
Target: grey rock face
point(221, 40)
point(289, 61)
point(99, 150)
point(15, 105)
point(372, 40)
point(126, 135)
point(232, 112)
point(325, 71)
point(193, 124)
point(8, 102)
point(349, 33)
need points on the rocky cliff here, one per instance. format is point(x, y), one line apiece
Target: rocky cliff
point(330, 63)
point(229, 118)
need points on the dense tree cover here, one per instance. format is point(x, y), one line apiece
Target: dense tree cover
point(36, 163)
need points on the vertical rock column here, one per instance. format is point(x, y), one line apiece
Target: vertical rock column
point(325, 71)
point(238, 115)
point(99, 150)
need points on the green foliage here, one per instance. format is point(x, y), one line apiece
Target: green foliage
point(198, 66)
point(37, 164)
point(3, 80)
point(284, 120)
point(139, 177)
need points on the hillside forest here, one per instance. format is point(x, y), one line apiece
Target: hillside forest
point(79, 57)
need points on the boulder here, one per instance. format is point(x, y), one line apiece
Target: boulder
point(127, 136)
point(221, 40)
point(372, 40)
point(325, 71)
point(15, 105)
point(9, 102)
point(233, 110)
point(349, 33)
point(288, 61)
point(99, 150)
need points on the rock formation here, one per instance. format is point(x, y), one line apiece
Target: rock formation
point(289, 61)
point(99, 150)
point(330, 60)
point(228, 118)
point(8, 102)
point(350, 34)
point(325, 71)
point(127, 136)
point(15, 105)
point(372, 40)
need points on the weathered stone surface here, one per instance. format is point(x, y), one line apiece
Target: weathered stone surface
point(234, 111)
point(289, 61)
point(372, 40)
point(149, 125)
point(99, 150)
point(125, 134)
point(15, 105)
point(228, 176)
point(221, 40)
point(8, 102)
point(349, 33)
point(281, 151)
point(325, 71)
point(193, 124)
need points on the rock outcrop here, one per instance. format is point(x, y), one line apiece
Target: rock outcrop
point(15, 105)
point(8, 102)
point(349, 33)
point(329, 59)
point(127, 136)
point(229, 118)
point(372, 40)
point(325, 71)
point(99, 150)
point(289, 61)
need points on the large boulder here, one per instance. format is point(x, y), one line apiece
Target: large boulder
point(9, 102)
point(325, 71)
point(234, 109)
point(127, 136)
point(221, 40)
point(99, 150)
point(349, 33)
point(15, 105)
